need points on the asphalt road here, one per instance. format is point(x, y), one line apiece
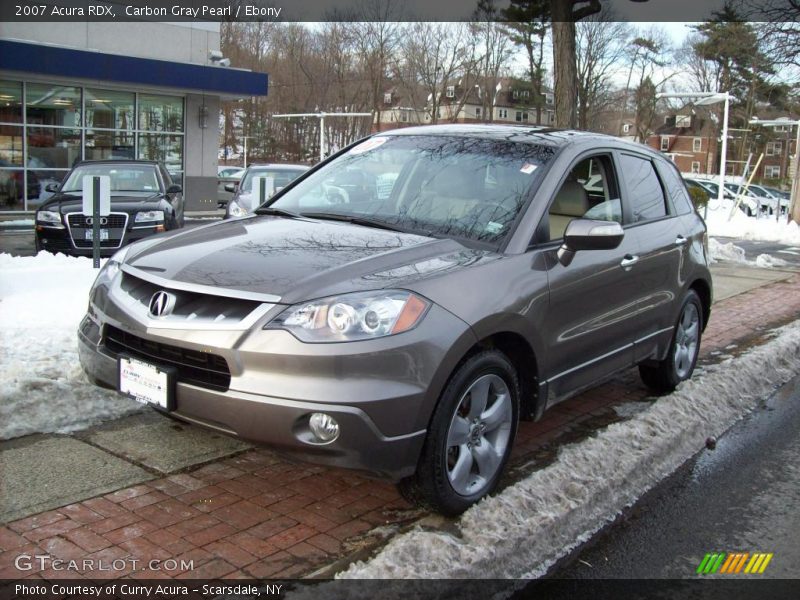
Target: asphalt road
point(742, 496)
point(790, 254)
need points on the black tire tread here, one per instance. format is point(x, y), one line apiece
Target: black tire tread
point(423, 488)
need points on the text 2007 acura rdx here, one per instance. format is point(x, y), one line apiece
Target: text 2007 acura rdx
point(401, 306)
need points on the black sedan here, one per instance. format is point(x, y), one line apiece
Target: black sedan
point(144, 201)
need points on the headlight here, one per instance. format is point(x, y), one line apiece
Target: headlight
point(351, 317)
point(109, 270)
point(235, 210)
point(49, 217)
point(147, 216)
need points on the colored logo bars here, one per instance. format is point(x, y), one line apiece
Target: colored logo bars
point(734, 563)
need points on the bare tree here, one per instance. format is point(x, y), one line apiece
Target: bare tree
point(495, 50)
point(601, 43)
point(377, 40)
point(433, 57)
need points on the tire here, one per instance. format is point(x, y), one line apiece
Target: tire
point(679, 364)
point(464, 439)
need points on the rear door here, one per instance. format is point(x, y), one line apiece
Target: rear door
point(663, 240)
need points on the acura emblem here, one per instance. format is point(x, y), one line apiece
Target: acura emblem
point(162, 303)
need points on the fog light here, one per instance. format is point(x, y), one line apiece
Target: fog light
point(324, 427)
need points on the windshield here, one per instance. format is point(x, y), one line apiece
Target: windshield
point(124, 178)
point(281, 177)
point(441, 186)
point(737, 188)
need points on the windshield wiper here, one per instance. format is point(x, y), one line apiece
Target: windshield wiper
point(278, 212)
point(354, 220)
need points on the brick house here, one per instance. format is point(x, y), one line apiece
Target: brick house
point(778, 143)
point(689, 140)
point(511, 104)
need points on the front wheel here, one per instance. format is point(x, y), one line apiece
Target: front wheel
point(681, 358)
point(470, 437)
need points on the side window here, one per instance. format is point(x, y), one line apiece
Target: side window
point(676, 188)
point(590, 191)
point(646, 195)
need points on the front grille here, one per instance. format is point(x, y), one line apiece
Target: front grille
point(190, 307)
point(197, 368)
point(114, 223)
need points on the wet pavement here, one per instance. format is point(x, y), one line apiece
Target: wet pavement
point(740, 497)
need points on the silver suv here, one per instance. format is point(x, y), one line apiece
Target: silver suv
point(398, 308)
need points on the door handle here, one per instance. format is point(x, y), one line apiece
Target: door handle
point(628, 261)
point(680, 240)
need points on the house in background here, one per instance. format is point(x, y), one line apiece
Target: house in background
point(512, 104)
point(778, 144)
point(689, 140)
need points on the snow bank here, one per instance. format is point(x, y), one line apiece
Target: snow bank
point(767, 261)
point(729, 251)
point(765, 229)
point(527, 527)
point(43, 389)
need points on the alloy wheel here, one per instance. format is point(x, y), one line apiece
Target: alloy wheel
point(479, 435)
point(687, 337)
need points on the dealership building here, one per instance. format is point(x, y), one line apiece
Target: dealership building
point(91, 91)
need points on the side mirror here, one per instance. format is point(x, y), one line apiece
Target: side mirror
point(230, 187)
point(174, 189)
point(51, 187)
point(587, 234)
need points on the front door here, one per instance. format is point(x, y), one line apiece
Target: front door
point(591, 321)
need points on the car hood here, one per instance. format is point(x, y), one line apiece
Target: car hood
point(299, 259)
point(131, 202)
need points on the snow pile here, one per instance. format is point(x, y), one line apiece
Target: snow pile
point(765, 229)
point(17, 223)
point(729, 251)
point(527, 527)
point(766, 261)
point(43, 388)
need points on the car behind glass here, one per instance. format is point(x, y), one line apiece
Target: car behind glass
point(401, 307)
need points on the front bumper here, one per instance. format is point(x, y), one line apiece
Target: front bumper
point(381, 392)
point(60, 240)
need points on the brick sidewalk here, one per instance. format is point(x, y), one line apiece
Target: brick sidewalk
point(259, 516)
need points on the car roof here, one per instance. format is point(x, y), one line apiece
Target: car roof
point(117, 161)
point(280, 166)
point(530, 134)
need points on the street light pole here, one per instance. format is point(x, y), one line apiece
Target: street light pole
point(321, 116)
point(712, 98)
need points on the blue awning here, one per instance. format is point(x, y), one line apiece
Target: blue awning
point(66, 62)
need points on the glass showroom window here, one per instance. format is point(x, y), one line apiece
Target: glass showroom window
point(166, 148)
point(12, 184)
point(109, 145)
point(53, 105)
point(161, 131)
point(160, 113)
point(109, 109)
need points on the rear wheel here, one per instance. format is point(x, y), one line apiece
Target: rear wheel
point(681, 358)
point(470, 437)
